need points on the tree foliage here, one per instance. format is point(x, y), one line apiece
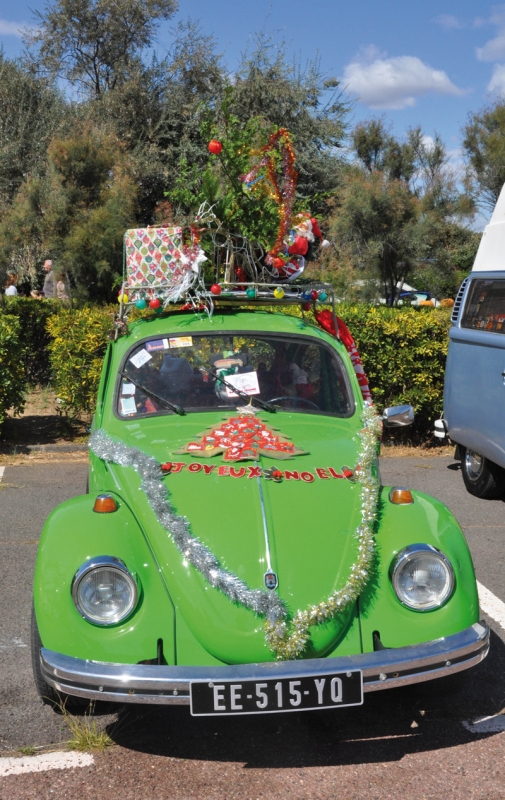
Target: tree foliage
point(397, 215)
point(95, 44)
point(484, 145)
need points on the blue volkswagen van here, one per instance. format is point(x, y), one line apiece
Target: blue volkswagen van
point(474, 391)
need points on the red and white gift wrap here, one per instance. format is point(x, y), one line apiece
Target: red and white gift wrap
point(325, 320)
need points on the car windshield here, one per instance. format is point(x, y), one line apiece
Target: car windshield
point(193, 373)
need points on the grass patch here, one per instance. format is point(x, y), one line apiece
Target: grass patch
point(86, 735)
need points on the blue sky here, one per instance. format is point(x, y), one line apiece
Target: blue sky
point(429, 63)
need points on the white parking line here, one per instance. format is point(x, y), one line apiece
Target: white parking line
point(2, 470)
point(43, 762)
point(493, 724)
point(491, 605)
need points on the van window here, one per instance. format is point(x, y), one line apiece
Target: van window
point(485, 306)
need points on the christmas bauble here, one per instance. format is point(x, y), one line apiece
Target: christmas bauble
point(306, 306)
point(140, 303)
point(314, 294)
point(251, 292)
point(215, 147)
point(322, 296)
point(279, 293)
point(215, 288)
point(155, 303)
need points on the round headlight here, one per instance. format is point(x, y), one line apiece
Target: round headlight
point(104, 592)
point(422, 577)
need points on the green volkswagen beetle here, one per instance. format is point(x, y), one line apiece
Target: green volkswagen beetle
point(236, 552)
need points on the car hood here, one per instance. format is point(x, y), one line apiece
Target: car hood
point(309, 517)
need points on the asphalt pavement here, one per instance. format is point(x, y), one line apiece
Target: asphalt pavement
point(396, 736)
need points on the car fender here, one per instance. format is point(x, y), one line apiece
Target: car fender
point(73, 534)
point(427, 521)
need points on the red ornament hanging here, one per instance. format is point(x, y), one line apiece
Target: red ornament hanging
point(215, 289)
point(155, 303)
point(215, 147)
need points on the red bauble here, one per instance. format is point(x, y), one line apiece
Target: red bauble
point(155, 303)
point(215, 147)
point(314, 294)
point(278, 263)
point(306, 306)
point(215, 288)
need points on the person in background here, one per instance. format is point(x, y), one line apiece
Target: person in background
point(49, 288)
point(61, 289)
point(10, 286)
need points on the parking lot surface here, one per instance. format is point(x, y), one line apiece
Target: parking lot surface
point(404, 743)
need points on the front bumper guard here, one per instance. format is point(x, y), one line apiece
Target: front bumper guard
point(167, 685)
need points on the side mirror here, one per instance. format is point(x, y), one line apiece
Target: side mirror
point(398, 416)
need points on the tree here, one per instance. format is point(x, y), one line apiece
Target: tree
point(399, 212)
point(30, 113)
point(95, 44)
point(484, 145)
point(77, 212)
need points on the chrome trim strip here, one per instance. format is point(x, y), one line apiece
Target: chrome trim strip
point(167, 685)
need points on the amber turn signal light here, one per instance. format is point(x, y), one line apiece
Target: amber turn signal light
point(401, 496)
point(105, 504)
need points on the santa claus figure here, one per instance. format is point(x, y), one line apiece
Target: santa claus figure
point(299, 248)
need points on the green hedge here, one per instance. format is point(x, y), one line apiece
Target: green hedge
point(403, 351)
point(12, 381)
point(77, 346)
point(34, 338)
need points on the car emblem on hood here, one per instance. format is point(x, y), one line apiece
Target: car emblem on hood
point(271, 581)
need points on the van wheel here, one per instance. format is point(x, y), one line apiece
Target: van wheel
point(482, 477)
point(47, 694)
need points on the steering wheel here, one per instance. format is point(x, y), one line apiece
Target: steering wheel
point(295, 401)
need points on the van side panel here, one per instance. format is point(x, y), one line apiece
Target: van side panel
point(474, 392)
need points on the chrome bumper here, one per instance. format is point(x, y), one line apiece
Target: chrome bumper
point(166, 685)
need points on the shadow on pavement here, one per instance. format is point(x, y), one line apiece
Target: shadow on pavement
point(390, 725)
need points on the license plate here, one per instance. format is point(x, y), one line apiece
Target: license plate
point(214, 698)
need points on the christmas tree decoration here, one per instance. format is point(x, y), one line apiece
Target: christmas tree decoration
point(251, 292)
point(322, 296)
point(241, 438)
point(287, 635)
point(155, 303)
point(122, 297)
point(215, 289)
point(279, 293)
point(141, 303)
point(215, 147)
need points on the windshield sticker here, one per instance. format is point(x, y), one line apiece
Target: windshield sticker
point(157, 344)
point(247, 382)
point(127, 388)
point(127, 405)
point(181, 341)
point(140, 358)
point(242, 439)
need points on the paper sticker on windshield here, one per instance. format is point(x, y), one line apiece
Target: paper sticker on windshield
point(140, 358)
point(248, 383)
point(127, 388)
point(127, 405)
point(157, 344)
point(181, 341)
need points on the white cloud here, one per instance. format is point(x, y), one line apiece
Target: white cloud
point(493, 49)
point(393, 83)
point(497, 83)
point(449, 21)
point(13, 28)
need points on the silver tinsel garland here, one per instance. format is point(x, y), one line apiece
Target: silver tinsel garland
point(287, 639)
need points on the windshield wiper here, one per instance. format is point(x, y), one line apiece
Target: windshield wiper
point(172, 406)
point(243, 395)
